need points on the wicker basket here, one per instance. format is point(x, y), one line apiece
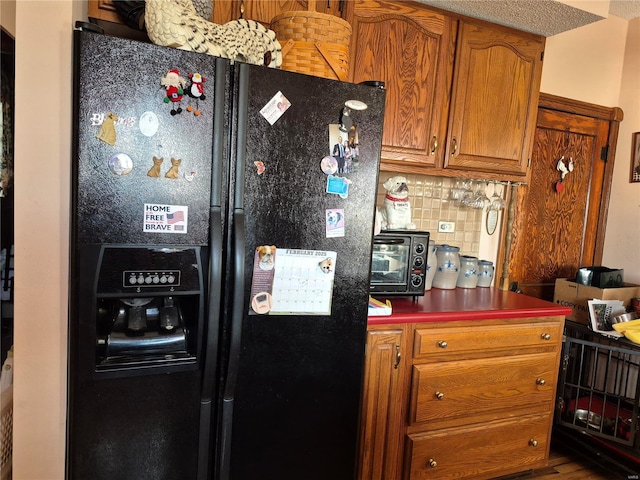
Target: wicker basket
point(313, 43)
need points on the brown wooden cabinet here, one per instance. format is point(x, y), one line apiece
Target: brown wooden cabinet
point(494, 103)
point(381, 432)
point(483, 387)
point(410, 48)
point(476, 401)
point(475, 120)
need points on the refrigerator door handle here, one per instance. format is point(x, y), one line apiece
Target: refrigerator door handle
point(209, 373)
point(238, 307)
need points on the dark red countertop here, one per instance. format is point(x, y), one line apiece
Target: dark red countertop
point(439, 305)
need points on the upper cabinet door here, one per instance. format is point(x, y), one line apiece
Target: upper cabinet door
point(411, 49)
point(494, 101)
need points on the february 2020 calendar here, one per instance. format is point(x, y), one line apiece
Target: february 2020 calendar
point(292, 281)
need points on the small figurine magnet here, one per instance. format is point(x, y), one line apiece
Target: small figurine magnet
point(155, 170)
point(196, 91)
point(173, 171)
point(107, 131)
point(174, 85)
point(260, 167)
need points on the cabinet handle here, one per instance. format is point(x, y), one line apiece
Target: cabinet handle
point(545, 336)
point(432, 463)
point(439, 395)
point(533, 443)
point(454, 146)
point(540, 381)
point(398, 356)
point(434, 145)
point(443, 344)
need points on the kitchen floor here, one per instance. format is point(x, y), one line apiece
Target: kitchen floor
point(565, 464)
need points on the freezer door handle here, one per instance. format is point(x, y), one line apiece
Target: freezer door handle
point(237, 316)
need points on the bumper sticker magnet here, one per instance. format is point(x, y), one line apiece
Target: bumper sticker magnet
point(160, 218)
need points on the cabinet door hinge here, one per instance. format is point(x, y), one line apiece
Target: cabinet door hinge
point(604, 153)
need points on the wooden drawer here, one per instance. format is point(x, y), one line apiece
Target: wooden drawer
point(448, 341)
point(479, 452)
point(483, 389)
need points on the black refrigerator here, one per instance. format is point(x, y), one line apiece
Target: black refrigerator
point(222, 219)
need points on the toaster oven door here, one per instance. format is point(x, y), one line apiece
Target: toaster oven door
point(390, 266)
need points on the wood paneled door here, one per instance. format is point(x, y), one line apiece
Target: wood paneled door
point(559, 225)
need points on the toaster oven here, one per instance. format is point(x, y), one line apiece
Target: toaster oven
point(399, 263)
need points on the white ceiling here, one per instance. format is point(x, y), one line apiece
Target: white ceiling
point(544, 17)
point(628, 9)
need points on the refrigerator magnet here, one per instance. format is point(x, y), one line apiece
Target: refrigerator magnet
point(107, 131)
point(260, 167)
point(334, 222)
point(148, 124)
point(338, 186)
point(159, 218)
point(261, 303)
point(196, 92)
point(329, 165)
point(174, 86)
point(120, 164)
point(275, 108)
point(155, 170)
point(262, 282)
point(173, 171)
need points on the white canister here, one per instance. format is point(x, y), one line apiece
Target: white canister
point(432, 265)
point(485, 273)
point(468, 277)
point(448, 267)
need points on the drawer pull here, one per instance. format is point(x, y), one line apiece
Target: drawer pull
point(540, 381)
point(439, 395)
point(432, 463)
point(545, 336)
point(398, 357)
point(533, 443)
point(443, 344)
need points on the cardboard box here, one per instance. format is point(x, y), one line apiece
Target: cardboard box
point(575, 295)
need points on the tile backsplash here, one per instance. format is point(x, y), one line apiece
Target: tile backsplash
point(430, 199)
